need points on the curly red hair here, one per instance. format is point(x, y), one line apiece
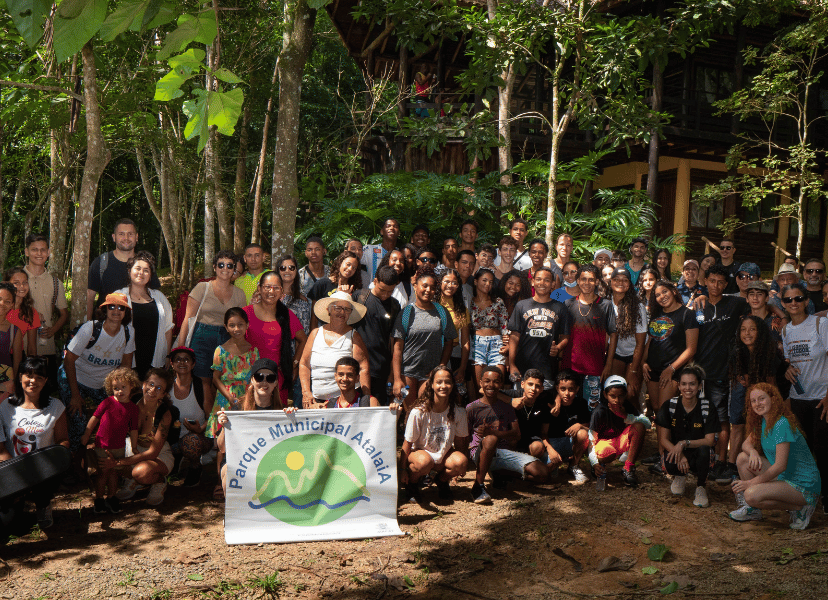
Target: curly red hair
point(778, 409)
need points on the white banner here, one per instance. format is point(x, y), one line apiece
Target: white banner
point(313, 475)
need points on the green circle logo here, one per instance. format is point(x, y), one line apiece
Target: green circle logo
point(310, 480)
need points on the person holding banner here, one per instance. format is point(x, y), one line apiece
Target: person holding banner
point(261, 394)
point(346, 374)
point(436, 437)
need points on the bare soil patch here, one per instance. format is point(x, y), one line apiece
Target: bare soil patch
point(532, 542)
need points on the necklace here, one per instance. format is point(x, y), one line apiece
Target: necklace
point(589, 310)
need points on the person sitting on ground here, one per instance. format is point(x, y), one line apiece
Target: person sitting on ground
point(118, 419)
point(436, 437)
point(533, 412)
point(616, 428)
point(262, 393)
point(187, 395)
point(152, 459)
point(687, 427)
point(567, 436)
point(784, 476)
point(496, 433)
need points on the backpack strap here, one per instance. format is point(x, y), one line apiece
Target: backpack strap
point(673, 404)
point(407, 317)
point(97, 326)
point(54, 291)
point(198, 391)
point(361, 296)
point(705, 408)
point(103, 263)
point(441, 310)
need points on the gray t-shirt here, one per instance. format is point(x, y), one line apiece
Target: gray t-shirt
point(423, 344)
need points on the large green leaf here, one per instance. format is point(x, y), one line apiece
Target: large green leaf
point(201, 28)
point(182, 68)
point(71, 34)
point(28, 17)
point(226, 76)
point(224, 109)
point(123, 18)
point(166, 13)
point(196, 111)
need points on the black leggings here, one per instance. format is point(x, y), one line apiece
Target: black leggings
point(816, 434)
point(698, 459)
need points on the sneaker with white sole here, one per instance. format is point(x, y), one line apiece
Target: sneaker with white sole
point(746, 513)
point(679, 484)
point(578, 474)
point(800, 518)
point(156, 493)
point(128, 489)
point(701, 499)
point(480, 495)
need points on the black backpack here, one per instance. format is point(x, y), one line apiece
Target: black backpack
point(97, 327)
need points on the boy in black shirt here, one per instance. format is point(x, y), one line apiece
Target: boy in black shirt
point(567, 435)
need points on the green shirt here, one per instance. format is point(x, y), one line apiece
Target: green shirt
point(248, 284)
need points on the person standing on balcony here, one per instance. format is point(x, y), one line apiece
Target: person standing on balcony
point(518, 230)
point(373, 254)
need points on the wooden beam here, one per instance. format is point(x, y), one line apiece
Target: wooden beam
point(382, 36)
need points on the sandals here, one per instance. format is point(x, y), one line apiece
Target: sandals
point(218, 493)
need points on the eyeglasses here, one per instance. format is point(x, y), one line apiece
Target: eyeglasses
point(726, 247)
point(428, 259)
point(224, 265)
point(117, 307)
point(270, 377)
point(287, 267)
point(797, 299)
point(817, 271)
point(747, 276)
point(272, 288)
point(336, 308)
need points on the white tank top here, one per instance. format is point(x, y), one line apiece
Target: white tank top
point(322, 362)
point(189, 409)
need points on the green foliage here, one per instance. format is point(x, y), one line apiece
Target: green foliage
point(478, 130)
point(28, 17)
point(649, 570)
point(75, 24)
point(670, 588)
point(657, 552)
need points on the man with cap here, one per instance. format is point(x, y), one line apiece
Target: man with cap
point(788, 275)
point(747, 272)
point(638, 250)
point(602, 258)
point(615, 428)
point(689, 286)
point(814, 279)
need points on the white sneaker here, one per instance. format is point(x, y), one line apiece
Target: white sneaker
point(156, 493)
point(701, 498)
point(801, 518)
point(578, 474)
point(746, 513)
point(678, 485)
point(128, 489)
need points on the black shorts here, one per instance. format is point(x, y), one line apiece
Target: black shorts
point(627, 360)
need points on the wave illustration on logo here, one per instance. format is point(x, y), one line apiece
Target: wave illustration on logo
point(331, 488)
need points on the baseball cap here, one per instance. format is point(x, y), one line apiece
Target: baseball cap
point(615, 381)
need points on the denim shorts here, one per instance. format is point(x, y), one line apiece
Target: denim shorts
point(487, 350)
point(736, 406)
point(563, 446)
point(205, 340)
point(507, 460)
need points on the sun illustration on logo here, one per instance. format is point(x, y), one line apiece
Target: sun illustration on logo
point(310, 480)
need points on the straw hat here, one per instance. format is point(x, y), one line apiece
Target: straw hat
point(320, 309)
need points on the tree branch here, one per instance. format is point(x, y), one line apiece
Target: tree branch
point(41, 88)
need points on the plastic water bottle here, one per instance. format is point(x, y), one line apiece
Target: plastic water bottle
point(699, 316)
point(403, 394)
point(601, 482)
point(389, 391)
point(461, 388)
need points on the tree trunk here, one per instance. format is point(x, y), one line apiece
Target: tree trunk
point(239, 233)
point(285, 193)
point(96, 160)
point(157, 210)
point(209, 231)
point(256, 226)
point(652, 161)
point(504, 106)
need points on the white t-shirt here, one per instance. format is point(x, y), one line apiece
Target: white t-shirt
point(806, 349)
point(626, 345)
point(524, 263)
point(27, 429)
point(434, 432)
point(189, 409)
point(95, 363)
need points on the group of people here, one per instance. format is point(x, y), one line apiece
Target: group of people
point(504, 356)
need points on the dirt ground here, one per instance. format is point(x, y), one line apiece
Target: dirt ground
point(532, 542)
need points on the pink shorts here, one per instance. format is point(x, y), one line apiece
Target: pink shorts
point(615, 446)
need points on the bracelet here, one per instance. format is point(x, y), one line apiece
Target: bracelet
point(672, 367)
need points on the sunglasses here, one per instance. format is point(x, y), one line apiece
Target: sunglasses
point(117, 307)
point(428, 259)
point(287, 267)
point(797, 299)
point(817, 271)
point(224, 265)
point(270, 378)
point(746, 276)
point(726, 247)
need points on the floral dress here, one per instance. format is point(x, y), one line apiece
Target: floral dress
point(235, 373)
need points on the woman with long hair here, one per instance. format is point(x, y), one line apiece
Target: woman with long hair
point(152, 315)
point(344, 277)
point(11, 341)
point(707, 261)
point(646, 287)
point(436, 436)
point(272, 328)
point(673, 337)
point(661, 261)
point(783, 476)
point(451, 297)
point(288, 270)
point(23, 315)
point(488, 320)
point(754, 358)
point(631, 326)
point(513, 288)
